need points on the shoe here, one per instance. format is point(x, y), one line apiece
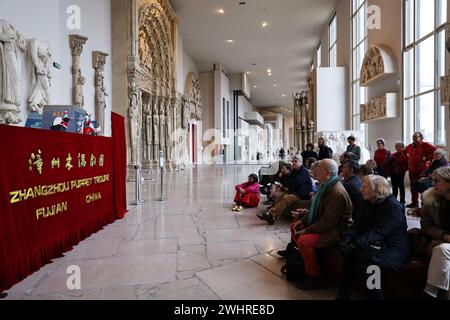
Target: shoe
point(235, 208)
point(268, 203)
point(3, 295)
point(239, 209)
point(311, 283)
point(412, 206)
point(266, 217)
point(282, 253)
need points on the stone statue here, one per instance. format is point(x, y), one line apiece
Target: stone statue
point(98, 63)
point(149, 134)
point(38, 57)
point(77, 43)
point(12, 46)
point(134, 115)
point(155, 128)
point(162, 130)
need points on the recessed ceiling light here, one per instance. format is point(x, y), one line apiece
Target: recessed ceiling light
point(255, 86)
point(275, 85)
point(221, 11)
point(230, 41)
point(283, 95)
point(264, 24)
point(269, 70)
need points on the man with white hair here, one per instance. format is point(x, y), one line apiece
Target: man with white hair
point(299, 187)
point(329, 217)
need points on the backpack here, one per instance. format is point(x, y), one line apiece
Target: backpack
point(294, 269)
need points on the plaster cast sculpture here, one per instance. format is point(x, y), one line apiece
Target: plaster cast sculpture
point(12, 46)
point(380, 108)
point(38, 57)
point(77, 43)
point(304, 124)
point(98, 63)
point(337, 141)
point(378, 62)
point(134, 114)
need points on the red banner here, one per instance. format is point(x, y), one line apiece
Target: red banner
point(56, 189)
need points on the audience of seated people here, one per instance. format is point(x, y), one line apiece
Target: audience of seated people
point(352, 184)
point(420, 153)
point(247, 194)
point(299, 187)
point(325, 152)
point(425, 181)
point(322, 225)
point(309, 153)
point(435, 224)
point(381, 156)
point(309, 163)
point(379, 238)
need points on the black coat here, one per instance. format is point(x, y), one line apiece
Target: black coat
point(325, 153)
point(308, 154)
point(383, 224)
point(300, 183)
point(353, 186)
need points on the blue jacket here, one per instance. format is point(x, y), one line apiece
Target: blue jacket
point(300, 183)
point(353, 187)
point(383, 225)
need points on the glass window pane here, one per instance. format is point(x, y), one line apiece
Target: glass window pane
point(408, 73)
point(409, 22)
point(425, 65)
point(425, 115)
point(441, 55)
point(425, 17)
point(440, 139)
point(441, 12)
point(408, 119)
point(333, 56)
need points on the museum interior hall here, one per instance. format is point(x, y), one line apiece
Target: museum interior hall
point(224, 150)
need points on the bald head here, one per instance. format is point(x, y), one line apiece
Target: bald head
point(327, 169)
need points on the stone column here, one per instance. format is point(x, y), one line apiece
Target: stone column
point(98, 63)
point(77, 43)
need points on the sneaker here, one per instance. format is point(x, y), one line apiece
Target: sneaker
point(412, 206)
point(239, 209)
point(266, 217)
point(3, 295)
point(235, 208)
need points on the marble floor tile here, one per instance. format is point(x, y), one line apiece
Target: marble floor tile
point(147, 247)
point(231, 250)
point(179, 226)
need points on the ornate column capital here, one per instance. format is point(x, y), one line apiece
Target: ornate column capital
point(99, 60)
point(77, 43)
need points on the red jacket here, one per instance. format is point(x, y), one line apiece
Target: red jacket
point(420, 156)
point(381, 156)
point(400, 162)
point(249, 188)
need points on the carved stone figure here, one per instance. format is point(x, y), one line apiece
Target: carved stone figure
point(38, 58)
point(98, 63)
point(149, 134)
point(134, 114)
point(77, 43)
point(156, 140)
point(12, 46)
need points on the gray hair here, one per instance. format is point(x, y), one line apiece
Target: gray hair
point(297, 157)
point(441, 152)
point(444, 173)
point(400, 143)
point(331, 166)
point(379, 186)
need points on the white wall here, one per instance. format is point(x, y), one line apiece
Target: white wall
point(46, 20)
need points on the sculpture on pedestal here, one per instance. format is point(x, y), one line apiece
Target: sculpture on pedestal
point(38, 57)
point(134, 114)
point(77, 43)
point(98, 63)
point(12, 46)
point(303, 120)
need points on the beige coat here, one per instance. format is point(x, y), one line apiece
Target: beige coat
point(431, 221)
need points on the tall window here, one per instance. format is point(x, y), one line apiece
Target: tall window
point(332, 40)
point(359, 48)
point(319, 56)
point(423, 65)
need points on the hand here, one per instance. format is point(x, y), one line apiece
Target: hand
point(299, 213)
point(242, 191)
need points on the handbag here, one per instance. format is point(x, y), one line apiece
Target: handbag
point(294, 269)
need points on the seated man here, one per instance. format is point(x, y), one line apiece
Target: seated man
point(352, 184)
point(299, 187)
point(277, 189)
point(329, 216)
point(425, 181)
point(436, 225)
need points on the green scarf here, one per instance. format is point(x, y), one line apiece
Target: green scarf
point(312, 217)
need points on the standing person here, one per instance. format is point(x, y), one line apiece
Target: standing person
point(398, 165)
point(247, 194)
point(325, 152)
point(353, 150)
point(420, 154)
point(309, 153)
point(435, 224)
point(352, 184)
point(381, 157)
point(282, 154)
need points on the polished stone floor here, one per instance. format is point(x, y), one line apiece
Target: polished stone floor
point(190, 247)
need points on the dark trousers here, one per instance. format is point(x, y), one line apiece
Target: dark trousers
point(398, 183)
point(355, 269)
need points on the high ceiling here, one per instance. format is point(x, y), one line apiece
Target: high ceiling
point(285, 46)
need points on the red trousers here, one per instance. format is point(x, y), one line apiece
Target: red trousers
point(414, 193)
point(248, 200)
point(307, 244)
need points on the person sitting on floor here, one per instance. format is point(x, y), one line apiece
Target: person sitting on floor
point(277, 189)
point(435, 224)
point(352, 184)
point(247, 194)
point(299, 187)
point(425, 181)
point(322, 226)
point(380, 238)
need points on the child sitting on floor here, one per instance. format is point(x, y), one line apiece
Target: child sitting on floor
point(247, 194)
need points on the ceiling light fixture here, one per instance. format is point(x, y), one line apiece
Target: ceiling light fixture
point(221, 11)
point(264, 24)
point(275, 85)
point(230, 41)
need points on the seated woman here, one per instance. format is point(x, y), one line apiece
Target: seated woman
point(379, 238)
point(247, 194)
point(436, 225)
point(277, 189)
point(425, 181)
